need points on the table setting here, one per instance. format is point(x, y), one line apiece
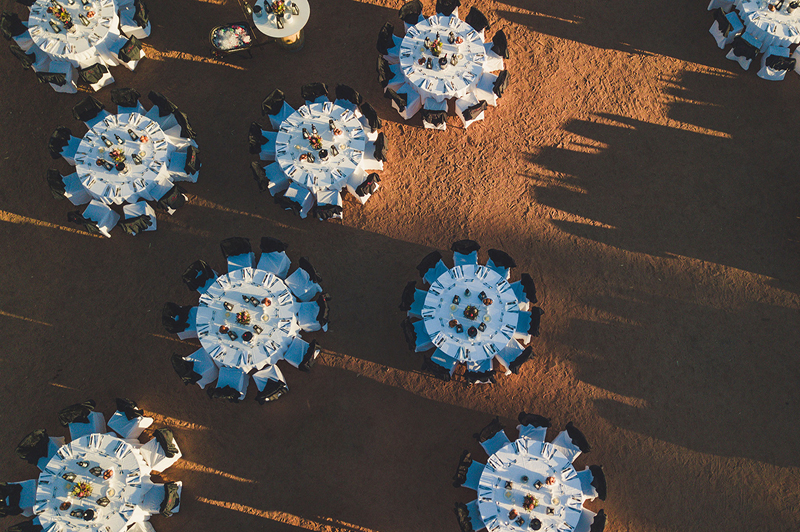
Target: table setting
point(772, 22)
point(283, 20)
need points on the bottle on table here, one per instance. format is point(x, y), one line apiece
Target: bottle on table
point(119, 139)
point(83, 19)
point(295, 9)
point(136, 158)
point(54, 25)
point(314, 129)
point(107, 142)
point(133, 135)
point(305, 134)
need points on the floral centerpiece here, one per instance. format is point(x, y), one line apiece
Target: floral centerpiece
point(471, 312)
point(279, 8)
point(81, 490)
point(315, 141)
point(436, 46)
point(60, 13)
point(530, 502)
point(243, 317)
point(117, 155)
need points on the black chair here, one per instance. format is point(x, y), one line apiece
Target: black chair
point(488, 432)
point(461, 471)
point(435, 118)
point(125, 97)
point(93, 74)
point(273, 103)
point(369, 186)
point(27, 3)
point(27, 59)
point(380, 147)
point(343, 92)
point(401, 100)
point(87, 109)
point(12, 493)
point(474, 377)
point(430, 261)
point(25, 526)
point(77, 413)
point(578, 439)
point(187, 131)
point(477, 20)
point(260, 176)
point(723, 22)
point(11, 26)
point(410, 12)
point(272, 391)
point(56, 183)
point(311, 91)
point(599, 522)
point(34, 446)
point(55, 78)
point(536, 318)
point(437, 371)
point(465, 247)
point(326, 212)
point(166, 440)
point(500, 84)
point(197, 275)
point(256, 138)
point(598, 481)
point(304, 264)
point(409, 333)
point(141, 14)
point(310, 358)
point(130, 51)
point(90, 226)
point(59, 139)
point(742, 48)
point(501, 259)
point(171, 500)
point(523, 357)
point(446, 7)
point(165, 106)
point(192, 164)
point(272, 245)
point(408, 296)
point(129, 408)
point(137, 224)
point(528, 287)
point(288, 204)
point(533, 420)
point(776, 62)
point(323, 315)
point(474, 111)
point(234, 246)
point(372, 117)
point(173, 199)
point(226, 392)
point(385, 74)
point(462, 514)
point(500, 44)
point(386, 38)
point(175, 318)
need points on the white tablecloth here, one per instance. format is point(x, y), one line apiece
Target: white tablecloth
point(773, 28)
point(81, 46)
point(537, 461)
point(266, 24)
point(321, 175)
point(278, 320)
point(441, 83)
point(110, 185)
point(125, 489)
point(500, 317)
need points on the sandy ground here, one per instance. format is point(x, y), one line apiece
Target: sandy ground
point(648, 185)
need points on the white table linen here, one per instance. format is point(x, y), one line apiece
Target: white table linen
point(772, 28)
point(125, 489)
point(111, 186)
point(500, 318)
point(450, 81)
point(83, 46)
point(332, 173)
point(278, 321)
point(266, 22)
point(535, 460)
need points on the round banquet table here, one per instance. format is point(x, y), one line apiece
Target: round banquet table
point(772, 28)
point(449, 81)
point(502, 488)
point(124, 490)
point(293, 24)
point(81, 46)
point(111, 186)
point(278, 321)
point(320, 175)
point(500, 318)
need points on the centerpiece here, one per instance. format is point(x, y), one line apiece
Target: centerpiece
point(117, 155)
point(81, 490)
point(530, 502)
point(61, 14)
point(243, 318)
point(471, 312)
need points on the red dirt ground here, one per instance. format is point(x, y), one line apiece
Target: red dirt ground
point(648, 185)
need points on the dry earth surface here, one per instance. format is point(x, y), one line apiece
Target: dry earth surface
point(648, 185)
